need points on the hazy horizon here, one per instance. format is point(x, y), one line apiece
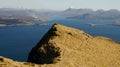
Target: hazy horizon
point(61, 4)
point(56, 10)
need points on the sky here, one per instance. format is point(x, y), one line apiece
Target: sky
point(61, 4)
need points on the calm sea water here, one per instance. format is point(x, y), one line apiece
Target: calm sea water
point(17, 41)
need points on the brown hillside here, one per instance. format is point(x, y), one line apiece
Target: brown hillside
point(68, 47)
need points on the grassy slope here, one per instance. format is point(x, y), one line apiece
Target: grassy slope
point(79, 49)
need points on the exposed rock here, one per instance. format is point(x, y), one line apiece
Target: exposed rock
point(69, 47)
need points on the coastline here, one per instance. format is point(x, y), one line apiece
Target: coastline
point(92, 25)
point(2, 25)
point(30, 24)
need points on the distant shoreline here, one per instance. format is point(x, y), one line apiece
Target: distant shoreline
point(2, 25)
point(31, 24)
point(102, 24)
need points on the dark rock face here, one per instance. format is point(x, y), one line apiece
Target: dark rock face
point(45, 52)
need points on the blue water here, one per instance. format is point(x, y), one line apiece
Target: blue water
point(17, 41)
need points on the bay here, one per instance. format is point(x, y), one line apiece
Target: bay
point(17, 41)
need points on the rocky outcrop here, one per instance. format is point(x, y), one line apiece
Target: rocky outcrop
point(68, 47)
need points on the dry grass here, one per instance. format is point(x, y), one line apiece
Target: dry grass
point(79, 49)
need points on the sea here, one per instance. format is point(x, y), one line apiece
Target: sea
point(17, 41)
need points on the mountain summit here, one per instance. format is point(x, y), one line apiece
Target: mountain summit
point(69, 47)
point(63, 46)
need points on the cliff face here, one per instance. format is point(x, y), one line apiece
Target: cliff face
point(68, 47)
point(65, 46)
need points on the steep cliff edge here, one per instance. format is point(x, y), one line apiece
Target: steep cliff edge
point(68, 47)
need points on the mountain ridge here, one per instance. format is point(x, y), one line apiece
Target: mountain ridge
point(68, 13)
point(73, 47)
point(69, 47)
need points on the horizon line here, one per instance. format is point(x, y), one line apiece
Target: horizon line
point(57, 9)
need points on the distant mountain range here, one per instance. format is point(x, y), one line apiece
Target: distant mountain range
point(71, 13)
point(23, 14)
point(30, 15)
point(12, 16)
point(112, 14)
